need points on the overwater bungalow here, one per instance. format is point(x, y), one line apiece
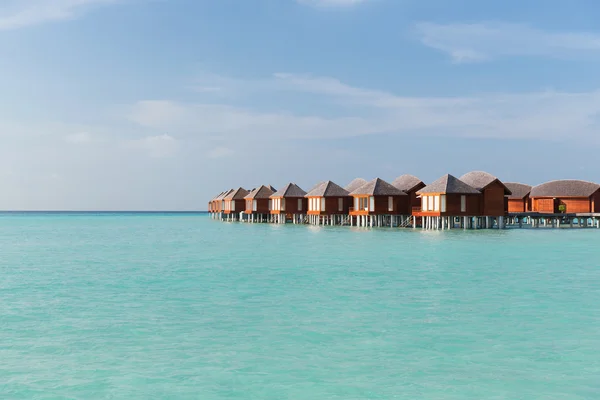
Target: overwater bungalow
point(289, 202)
point(566, 196)
point(219, 203)
point(355, 184)
point(445, 200)
point(519, 201)
point(379, 203)
point(258, 204)
point(234, 204)
point(212, 205)
point(328, 203)
point(494, 199)
point(410, 185)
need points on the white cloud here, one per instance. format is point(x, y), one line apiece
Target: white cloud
point(17, 14)
point(160, 146)
point(220, 152)
point(79, 138)
point(540, 115)
point(332, 3)
point(486, 41)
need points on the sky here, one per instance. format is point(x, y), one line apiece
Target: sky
point(161, 105)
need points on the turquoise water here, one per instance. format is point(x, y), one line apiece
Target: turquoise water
point(184, 307)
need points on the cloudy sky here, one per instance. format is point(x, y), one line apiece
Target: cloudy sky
point(156, 104)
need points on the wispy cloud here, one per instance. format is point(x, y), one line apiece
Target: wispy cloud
point(220, 152)
point(15, 14)
point(545, 115)
point(486, 41)
point(159, 146)
point(332, 3)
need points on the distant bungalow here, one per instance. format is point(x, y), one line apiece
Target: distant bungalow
point(447, 198)
point(328, 203)
point(519, 200)
point(473, 201)
point(410, 185)
point(378, 203)
point(355, 184)
point(566, 196)
point(493, 204)
point(258, 203)
point(234, 204)
point(289, 201)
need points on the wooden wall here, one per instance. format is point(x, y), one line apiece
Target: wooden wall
point(517, 205)
point(291, 206)
point(453, 207)
point(550, 205)
point(493, 203)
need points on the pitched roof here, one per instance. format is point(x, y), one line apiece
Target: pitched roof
point(519, 190)
point(237, 194)
point(378, 187)
point(565, 188)
point(290, 190)
point(263, 192)
point(355, 184)
point(480, 180)
point(407, 182)
point(327, 189)
point(272, 188)
point(224, 194)
point(450, 185)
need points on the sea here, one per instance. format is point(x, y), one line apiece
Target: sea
point(180, 306)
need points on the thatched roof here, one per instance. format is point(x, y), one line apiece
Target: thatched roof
point(263, 192)
point(449, 184)
point(237, 194)
point(355, 184)
point(481, 180)
point(519, 190)
point(407, 182)
point(290, 190)
point(378, 187)
point(328, 189)
point(565, 188)
point(224, 194)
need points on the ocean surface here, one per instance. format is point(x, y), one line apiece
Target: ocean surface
point(179, 306)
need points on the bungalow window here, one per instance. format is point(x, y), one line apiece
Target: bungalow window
point(371, 203)
point(282, 204)
point(463, 203)
point(443, 199)
point(254, 205)
point(363, 203)
point(429, 203)
point(390, 203)
point(299, 204)
point(356, 205)
point(340, 204)
point(424, 203)
point(436, 203)
point(322, 204)
point(232, 204)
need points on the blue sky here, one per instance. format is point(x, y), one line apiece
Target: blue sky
point(155, 104)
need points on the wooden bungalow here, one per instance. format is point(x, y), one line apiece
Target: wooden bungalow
point(378, 203)
point(212, 205)
point(289, 203)
point(519, 201)
point(355, 184)
point(494, 202)
point(566, 196)
point(258, 204)
point(234, 204)
point(410, 185)
point(446, 199)
point(328, 203)
point(219, 203)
